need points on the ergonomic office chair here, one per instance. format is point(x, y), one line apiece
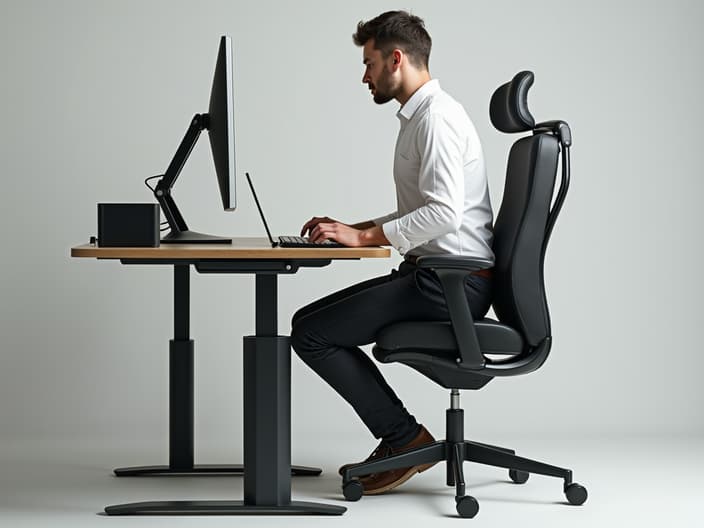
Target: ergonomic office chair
point(467, 354)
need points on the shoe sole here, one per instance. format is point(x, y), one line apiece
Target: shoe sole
point(396, 483)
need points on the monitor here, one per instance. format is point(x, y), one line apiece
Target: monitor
point(220, 124)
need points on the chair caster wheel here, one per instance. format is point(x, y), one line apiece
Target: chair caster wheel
point(576, 494)
point(467, 506)
point(353, 490)
point(519, 477)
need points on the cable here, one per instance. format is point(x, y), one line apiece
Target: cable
point(146, 182)
point(152, 178)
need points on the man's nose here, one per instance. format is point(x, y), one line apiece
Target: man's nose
point(365, 78)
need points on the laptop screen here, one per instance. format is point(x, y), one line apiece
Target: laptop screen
point(261, 213)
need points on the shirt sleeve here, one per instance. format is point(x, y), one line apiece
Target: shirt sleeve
point(441, 184)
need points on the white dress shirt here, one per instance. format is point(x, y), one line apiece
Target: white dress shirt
point(442, 194)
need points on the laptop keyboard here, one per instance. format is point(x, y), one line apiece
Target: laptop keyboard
point(299, 241)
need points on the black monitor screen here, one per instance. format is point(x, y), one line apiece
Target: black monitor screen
point(221, 124)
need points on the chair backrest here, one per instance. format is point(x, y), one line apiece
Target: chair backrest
point(525, 218)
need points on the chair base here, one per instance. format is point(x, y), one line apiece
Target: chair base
point(455, 451)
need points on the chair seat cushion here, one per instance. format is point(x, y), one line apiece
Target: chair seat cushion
point(494, 337)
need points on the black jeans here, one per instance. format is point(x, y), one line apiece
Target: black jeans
point(327, 334)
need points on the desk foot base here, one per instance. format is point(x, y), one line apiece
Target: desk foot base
point(221, 507)
point(203, 469)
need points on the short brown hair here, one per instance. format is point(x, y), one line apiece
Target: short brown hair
point(397, 29)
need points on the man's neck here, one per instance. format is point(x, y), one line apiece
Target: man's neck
point(411, 85)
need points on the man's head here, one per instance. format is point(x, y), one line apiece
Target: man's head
point(394, 42)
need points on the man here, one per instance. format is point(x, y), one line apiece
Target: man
point(442, 209)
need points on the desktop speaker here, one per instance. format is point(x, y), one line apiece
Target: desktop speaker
point(128, 225)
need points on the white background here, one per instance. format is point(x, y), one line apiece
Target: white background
point(95, 97)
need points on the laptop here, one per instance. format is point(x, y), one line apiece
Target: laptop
point(289, 241)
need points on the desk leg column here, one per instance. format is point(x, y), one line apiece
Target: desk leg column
point(267, 404)
point(181, 392)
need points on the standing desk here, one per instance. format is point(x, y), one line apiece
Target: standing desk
point(266, 373)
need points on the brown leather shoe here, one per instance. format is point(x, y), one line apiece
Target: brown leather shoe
point(377, 483)
point(382, 450)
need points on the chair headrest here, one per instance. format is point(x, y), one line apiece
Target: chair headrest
point(509, 104)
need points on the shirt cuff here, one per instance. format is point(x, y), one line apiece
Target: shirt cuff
point(393, 234)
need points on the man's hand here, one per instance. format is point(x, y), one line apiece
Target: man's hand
point(310, 224)
point(342, 233)
point(348, 235)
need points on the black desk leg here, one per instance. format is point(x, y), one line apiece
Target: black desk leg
point(181, 407)
point(267, 429)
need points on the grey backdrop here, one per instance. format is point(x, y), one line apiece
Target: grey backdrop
point(96, 95)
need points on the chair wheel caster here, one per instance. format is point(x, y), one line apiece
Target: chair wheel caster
point(576, 494)
point(353, 490)
point(467, 506)
point(519, 477)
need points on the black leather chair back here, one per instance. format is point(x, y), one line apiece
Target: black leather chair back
point(523, 224)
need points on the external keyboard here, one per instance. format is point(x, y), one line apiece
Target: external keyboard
point(299, 241)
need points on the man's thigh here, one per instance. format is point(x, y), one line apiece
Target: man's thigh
point(355, 318)
point(341, 294)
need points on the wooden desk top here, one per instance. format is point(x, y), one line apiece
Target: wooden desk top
point(241, 248)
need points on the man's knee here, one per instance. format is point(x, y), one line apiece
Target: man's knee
point(309, 339)
point(297, 316)
point(302, 336)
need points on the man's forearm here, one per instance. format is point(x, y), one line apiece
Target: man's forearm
point(373, 236)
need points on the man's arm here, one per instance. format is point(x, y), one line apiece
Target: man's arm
point(350, 235)
point(310, 224)
point(355, 235)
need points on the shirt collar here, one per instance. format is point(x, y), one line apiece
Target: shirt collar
point(421, 94)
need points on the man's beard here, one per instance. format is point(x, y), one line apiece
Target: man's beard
point(382, 98)
point(383, 92)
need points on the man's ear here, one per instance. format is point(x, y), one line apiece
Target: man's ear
point(396, 58)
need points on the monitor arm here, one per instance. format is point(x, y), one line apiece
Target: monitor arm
point(162, 192)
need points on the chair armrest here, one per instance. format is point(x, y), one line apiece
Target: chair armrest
point(452, 272)
point(453, 262)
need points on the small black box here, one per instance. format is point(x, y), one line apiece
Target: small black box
point(128, 225)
